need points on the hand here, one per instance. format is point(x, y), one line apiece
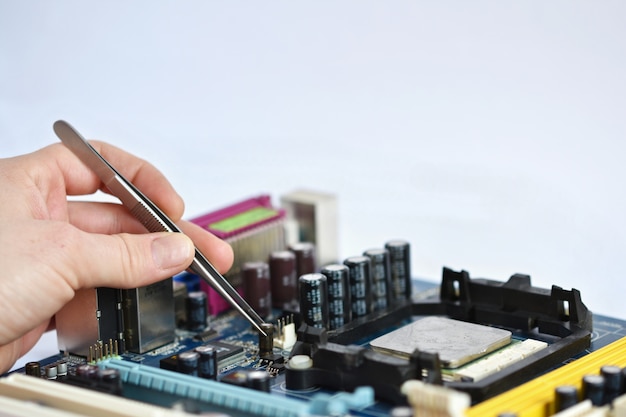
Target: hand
point(51, 247)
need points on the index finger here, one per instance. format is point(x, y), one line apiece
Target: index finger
point(80, 179)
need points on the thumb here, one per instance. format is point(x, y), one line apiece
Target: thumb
point(132, 260)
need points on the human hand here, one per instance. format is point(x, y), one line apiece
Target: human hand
point(51, 247)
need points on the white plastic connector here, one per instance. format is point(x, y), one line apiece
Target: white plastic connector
point(286, 336)
point(428, 399)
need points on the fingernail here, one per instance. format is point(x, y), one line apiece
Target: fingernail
point(171, 251)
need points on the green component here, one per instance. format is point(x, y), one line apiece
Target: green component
point(243, 219)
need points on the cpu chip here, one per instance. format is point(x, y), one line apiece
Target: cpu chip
point(456, 342)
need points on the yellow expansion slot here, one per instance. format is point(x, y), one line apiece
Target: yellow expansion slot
point(536, 398)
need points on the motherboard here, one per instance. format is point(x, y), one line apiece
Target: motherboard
point(360, 336)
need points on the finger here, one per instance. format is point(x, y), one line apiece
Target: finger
point(105, 218)
point(110, 218)
point(217, 251)
point(127, 260)
point(14, 350)
point(60, 164)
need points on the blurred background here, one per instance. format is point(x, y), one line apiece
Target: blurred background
point(488, 134)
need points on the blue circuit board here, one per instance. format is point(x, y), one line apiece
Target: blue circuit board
point(234, 331)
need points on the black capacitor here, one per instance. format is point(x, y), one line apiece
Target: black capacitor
point(33, 369)
point(360, 280)
point(88, 371)
point(207, 362)
point(256, 282)
point(196, 307)
point(565, 396)
point(266, 343)
point(593, 389)
point(110, 375)
point(613, 382)
point(187, 363)
point(258, 380)
point(283, 279)
point(400, 261)
point(381, 277)
point(338, 284)
point(305, 257)
point(314, 300)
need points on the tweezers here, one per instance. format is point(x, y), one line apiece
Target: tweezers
point(151, 216)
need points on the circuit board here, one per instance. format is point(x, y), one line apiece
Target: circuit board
point(230, 332)
point(361, 337)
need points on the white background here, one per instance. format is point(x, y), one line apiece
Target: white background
point(488, 134)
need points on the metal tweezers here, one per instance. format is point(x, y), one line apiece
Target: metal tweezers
point(151, 216)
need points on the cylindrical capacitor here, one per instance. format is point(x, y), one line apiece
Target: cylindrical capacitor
point(62, 370)
point(266, 343)
point(381, 277)
point(565, 396)
point(400, 261)
point(593, 389)
point(283, 279)
point(360, 285)
point(256, 282)
point(33, 369)
point(187, 363)
point(207, 362)
point(305, 257)
point(613, 382)
point(51, 371)
point(258, 380)
point(196, 307)
point(87, 371)
point(314, 300)
point(339, 308)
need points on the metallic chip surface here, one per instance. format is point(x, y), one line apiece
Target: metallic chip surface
point(456, 342)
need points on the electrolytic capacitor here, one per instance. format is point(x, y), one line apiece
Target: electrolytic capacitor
point(258, 380)
point(256, 282)
point(207, 362)
point(62, 370)
point(33, 369)
point(283, 279)
point(565, 396)
point(187, 363)
point(593, 389)
point(305, 257)
point(400, 262)
point(381, 277)
point(613, 382)
point(87, 371)
point(196, 308)
point(314, 300)
point(266, 343)
point(339, 308)
point(360, 285)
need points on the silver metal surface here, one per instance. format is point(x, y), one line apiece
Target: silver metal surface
point(151, 216)
point(456, 342)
